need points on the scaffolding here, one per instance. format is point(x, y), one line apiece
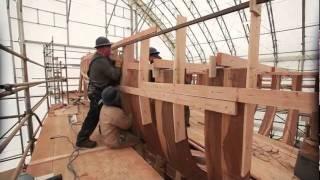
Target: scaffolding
point(58, 59)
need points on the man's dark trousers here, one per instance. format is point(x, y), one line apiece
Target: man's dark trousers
point(92, 119)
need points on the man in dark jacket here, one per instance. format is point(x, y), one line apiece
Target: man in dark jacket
point(102, 73)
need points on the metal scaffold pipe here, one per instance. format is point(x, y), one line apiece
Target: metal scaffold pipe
point(19, 55)
point(192, 22)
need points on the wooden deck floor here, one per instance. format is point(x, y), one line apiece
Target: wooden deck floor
point(51, 155)
point(271, 160)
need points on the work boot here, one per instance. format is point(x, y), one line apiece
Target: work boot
point(128, 140)
point(86, 144)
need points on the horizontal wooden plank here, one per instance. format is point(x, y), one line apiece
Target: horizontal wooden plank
point(135, 36)
point(237, 62)
point(190, 67)
point(162, 64)
point(133, 65)
point(219, 93)
point(226, 107)
point(302, 101)
point(305, 102)
point(291, 73)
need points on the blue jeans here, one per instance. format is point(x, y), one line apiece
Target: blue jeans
point(92, 119)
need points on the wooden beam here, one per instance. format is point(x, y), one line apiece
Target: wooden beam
point(213, 92)
point(302, 101)
point(222, 161)
point(128, 55)
point(212, 67)
point(236, 62)
point(133, 65)
point(168, 64)
point(162, 64)
point(179, 155)
point(290, 128)
point(290, 74)
point(226, 107)
point(197, 68)
point(305, 102)
point(251, 82)
point(143, 77)
point(178, 78)
point(226, 61)
point(267, 122)
point(135, 36)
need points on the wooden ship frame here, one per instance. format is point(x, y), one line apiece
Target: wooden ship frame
point(223, 97)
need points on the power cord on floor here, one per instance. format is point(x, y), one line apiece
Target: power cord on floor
point(73, 156)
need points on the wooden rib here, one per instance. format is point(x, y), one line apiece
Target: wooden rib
point(147, 132)
point(179, 155)
point(128, 55)
point(267, 121)
point(251, 82)
point(143, 77)
point(290, 128)
point(178, 78)
point(222, 161)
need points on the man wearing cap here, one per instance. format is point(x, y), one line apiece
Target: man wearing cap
point(155, 54)
point(102, 73)
point(114, 122)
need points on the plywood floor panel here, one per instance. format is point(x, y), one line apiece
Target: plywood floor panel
point(102, 163)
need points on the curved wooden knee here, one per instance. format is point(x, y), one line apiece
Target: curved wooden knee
point(178, 154)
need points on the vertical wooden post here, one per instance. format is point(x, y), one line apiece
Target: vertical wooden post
point(143, 77)
point(251, 82)
point(178, 78)
point(212, 67)
point(292, 119)
point(128, 56)
point(223, 133)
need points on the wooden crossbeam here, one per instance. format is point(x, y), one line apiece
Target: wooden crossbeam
point(135, 36)
point(302, 101)
point(305, 102)
point(224, 60)
point(290, 74)
point(226, 107)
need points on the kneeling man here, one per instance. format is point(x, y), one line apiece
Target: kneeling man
point(114, 122)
